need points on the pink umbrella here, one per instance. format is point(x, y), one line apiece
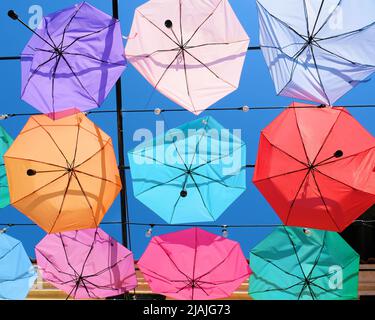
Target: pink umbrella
point(86, 264)
point(194, 265)
point(191, 51)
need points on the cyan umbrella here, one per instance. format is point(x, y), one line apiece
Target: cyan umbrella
point(5, 142)
point(17, 274)
point(193, 173)
point(303, 264)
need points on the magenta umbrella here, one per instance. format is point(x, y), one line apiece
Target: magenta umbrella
point(194, 264)
point(72, 61)
point(86, 264)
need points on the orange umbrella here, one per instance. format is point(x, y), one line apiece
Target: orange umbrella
point(62, 174)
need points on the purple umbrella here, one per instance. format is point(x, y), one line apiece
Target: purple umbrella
point(72, 61)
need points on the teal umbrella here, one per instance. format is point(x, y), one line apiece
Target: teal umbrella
point(303, 264)
point(5, 142)
point(193, 173)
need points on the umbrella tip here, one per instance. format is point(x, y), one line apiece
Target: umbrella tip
point(31, 172)
point(12, 15)
point(183, 193)
point(168, 24)
point(338, 154)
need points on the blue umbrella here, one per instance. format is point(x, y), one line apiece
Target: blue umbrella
point(193, 173)
point(17, 274)
point(5, 142)
point(318, 50)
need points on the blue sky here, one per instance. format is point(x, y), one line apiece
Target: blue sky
point(256, 89)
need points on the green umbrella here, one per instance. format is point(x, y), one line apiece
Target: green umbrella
point(5, 142)
point(303, 264)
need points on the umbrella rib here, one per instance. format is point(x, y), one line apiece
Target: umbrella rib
point(198, 143)
point(166, 70)
point(218, 158)
point(328, 135)
point(86, 198)
point(97, 177)
point(76, 145)
point(175, 205)
point(53, 140)
point(214, 44)
point(324, 202)
point(295, 252)
point(201, 196)
point(62, 202)
point(66, 255)
point(154, 52)
point(170, 258)
point(343, 58)
point(42, 187)
point(323, 163)
point(96, 153)
point(306, 18)
point(217, 181)
point(209, 69)
point(35, 71)
point(349, 33)
point(181, 32)
point(319, 76)
point(147, 19)
point(187, 82)
point(324, 289)
point(300, 135)
point(100, 272)
point(194, 260)
point(318, 16)
point(37, 161)
point(48, 33)
point(203, 22)
point(10, 250)
point(318, 256)
point(277, 289)
point(328, 18)
point(79, 81)
point(88, 35)
point(281, 175)
point(281, 22)
point(160, 162)
point(93, 58)
point(219, 264)
point(54, 266)
point(160, 184)
point(69, 23)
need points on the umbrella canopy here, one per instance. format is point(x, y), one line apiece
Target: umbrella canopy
point(303, 264)
point(17, 274)
point(86, 264)
point(316, 167)
point(179, 175)
point(191, 51)
point(194, 265)
point(62, 174)
point(5, 142)
point(78, 50)
point(317, 50)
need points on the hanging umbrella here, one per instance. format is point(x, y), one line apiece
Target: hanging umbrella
point(316, 167)
point(194, 265)
point(179, 175)
point(86, 264)
point(303, 264)
point(318, 50)
point(72, 61)
point(62, 174)
point(191, 51)
point(5, 142)
point(17, 274)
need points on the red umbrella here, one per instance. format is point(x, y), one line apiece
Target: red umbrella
point(316, 167)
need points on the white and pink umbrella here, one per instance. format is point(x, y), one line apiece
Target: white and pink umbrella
point(191, 51)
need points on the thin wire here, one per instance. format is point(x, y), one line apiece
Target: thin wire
point(227, 226)
point(243, 109)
